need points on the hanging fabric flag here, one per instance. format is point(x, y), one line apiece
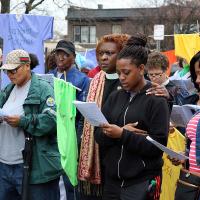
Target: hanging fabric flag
point(65, 94)
point(186, 45)
point(172, 59)
point(170, 172)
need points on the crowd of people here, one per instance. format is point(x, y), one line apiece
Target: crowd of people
point(116, 161)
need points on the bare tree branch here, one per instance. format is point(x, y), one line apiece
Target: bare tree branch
point(30, 6)
point(68, 3)
point(15, 6)
point(60, 6)
point(35, 5)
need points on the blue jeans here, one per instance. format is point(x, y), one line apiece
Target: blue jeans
point(10, 181)
point(11, 185)
point(44, 191)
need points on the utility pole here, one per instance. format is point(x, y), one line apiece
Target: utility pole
point(158, 45)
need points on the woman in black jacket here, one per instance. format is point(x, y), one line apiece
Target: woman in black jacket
point(133, 165)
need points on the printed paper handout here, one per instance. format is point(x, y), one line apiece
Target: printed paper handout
point(181, 115)
point(168, 151)
point(91, 112)
point(3, 113)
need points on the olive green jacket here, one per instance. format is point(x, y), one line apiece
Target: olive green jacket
point(39, 120)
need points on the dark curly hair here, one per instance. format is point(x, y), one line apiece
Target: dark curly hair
point(195, 58)
point(34, 61)
point(138, 39)
point(50, 62)
point(135, 50)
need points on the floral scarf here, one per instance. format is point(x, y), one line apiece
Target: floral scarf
point(89, 163)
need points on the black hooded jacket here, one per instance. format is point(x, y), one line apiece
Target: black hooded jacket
point(132, 158)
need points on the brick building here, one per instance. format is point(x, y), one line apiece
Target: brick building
point(85, 26)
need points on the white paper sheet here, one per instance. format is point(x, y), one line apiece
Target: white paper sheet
point(181, 115)
point(168, 151)
point(185, 84)
point(3, 113)
point(91, 112)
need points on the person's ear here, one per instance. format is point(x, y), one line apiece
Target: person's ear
point(28, 67)
point(74, 59)
point(142, 69)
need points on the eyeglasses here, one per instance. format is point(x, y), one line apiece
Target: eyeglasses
point(155, 75)
point(12, 71)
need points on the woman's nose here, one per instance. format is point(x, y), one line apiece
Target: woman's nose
point(198, 79)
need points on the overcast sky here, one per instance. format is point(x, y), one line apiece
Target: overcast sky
point(59, 14)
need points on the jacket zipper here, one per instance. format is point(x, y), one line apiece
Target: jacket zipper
point(122, 148)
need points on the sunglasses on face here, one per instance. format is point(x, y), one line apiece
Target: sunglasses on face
point(12, 71)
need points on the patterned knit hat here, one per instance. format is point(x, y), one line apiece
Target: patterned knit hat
point(16, 58)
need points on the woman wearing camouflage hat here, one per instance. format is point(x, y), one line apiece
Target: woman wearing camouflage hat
point(28, 108)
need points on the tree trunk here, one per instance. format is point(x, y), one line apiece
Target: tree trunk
point(5, 6)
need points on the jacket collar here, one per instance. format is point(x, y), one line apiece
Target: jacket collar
point(5, 94)
point(126, 98)
point(70, 70)
point(113, 76)
point(165, 83)
point(143, 90)
point(33, 96)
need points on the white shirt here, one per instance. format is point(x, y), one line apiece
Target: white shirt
point(12, 139)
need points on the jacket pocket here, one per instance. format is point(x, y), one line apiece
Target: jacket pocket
point(50, 162)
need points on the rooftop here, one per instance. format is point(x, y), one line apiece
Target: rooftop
point(75, 13)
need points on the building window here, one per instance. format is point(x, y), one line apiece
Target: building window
point(85, 34)
point(117, 29)
point(92, 34)
point(77, 33)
